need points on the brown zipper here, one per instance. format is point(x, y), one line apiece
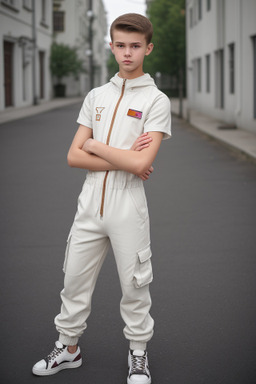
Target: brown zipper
point(107, 142)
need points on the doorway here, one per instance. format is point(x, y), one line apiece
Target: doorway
point(41, 73)
point(8, 73)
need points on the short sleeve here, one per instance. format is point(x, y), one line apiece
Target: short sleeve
point(85, 114)
point(159, 117)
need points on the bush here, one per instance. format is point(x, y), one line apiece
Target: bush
point(64, 61)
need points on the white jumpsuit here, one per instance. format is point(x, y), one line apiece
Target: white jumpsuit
point(112, 209)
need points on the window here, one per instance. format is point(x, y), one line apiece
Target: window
point(232, 68)
point(58, 21)
point(43, 4)
point(199, 9)
point(208, 5)
point(254, 76)
point(208, 73)
point(219, 55)
point(10, 4)
point(27, 4)
point(45, 13)
point(199, 71)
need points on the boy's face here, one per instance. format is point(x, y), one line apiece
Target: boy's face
point(129, 49)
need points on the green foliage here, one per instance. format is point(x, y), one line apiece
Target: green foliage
point(112, 65)
point(64, 61)
point(168, 19)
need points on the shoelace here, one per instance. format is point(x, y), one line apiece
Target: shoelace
point(54, 353)
point(138, 365)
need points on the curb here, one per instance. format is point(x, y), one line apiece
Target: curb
point(23, 112)
point(237, 140)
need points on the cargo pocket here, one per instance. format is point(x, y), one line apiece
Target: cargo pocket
point(143, 274)
point(67, 252)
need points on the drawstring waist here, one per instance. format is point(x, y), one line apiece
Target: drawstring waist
point(116, 183)
point(116, 180)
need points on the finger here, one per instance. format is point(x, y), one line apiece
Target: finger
point(146, 145)
point(144, 134)
point(140, 147)
point(145, 139)
point(143, 144)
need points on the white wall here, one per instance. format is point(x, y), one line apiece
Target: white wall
point(16, 27)
point(248, 21)
point(227, 22)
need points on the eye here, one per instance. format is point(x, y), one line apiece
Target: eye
point(136, 46)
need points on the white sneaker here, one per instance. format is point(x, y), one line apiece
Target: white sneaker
point(138, 369)
point(57, 360)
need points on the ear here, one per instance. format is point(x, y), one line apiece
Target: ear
point(149, 49)
point(111, 47)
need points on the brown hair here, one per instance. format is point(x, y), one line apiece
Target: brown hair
point(133, 22)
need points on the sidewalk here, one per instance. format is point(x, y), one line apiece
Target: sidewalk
point(237, 139)
point(13, 113)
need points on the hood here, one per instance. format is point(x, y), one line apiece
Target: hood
point(142, 81)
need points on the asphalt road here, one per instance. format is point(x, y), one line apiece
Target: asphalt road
point(202, 200)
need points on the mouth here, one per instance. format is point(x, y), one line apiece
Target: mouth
point(127, 62)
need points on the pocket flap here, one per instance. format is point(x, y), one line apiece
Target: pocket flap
point(145, 254)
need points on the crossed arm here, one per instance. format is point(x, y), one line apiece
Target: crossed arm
point(91, 154)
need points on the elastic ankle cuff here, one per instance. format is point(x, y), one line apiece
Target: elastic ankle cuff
point(138, 345)
point(66, 340)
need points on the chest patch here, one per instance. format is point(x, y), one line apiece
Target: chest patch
point(134, 113)
point(99, 110)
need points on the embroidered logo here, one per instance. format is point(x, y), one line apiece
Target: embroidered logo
point(134, 113)
point(99, 110)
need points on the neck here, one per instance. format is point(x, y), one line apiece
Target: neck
point(130, 75)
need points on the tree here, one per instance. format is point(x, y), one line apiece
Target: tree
point(169, 54)
point(112, 64)
point(64, 61)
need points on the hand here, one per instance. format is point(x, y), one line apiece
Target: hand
point(143, 141)
point(87, 146)
point(146, 175)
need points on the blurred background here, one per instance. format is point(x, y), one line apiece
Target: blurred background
point(204, 56)
point(201, 196)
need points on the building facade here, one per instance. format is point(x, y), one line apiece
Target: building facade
point(25, 39)
point(221, 60)
point(82, 24)
point(99, 31)
point(27, 31)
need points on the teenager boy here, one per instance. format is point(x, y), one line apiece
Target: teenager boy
point(112, 207)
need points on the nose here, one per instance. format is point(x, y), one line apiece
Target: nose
point(127, 52)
